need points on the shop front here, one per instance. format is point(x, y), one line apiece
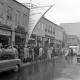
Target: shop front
point(46, 42)
point(52, 42)
point(5, 37)
point(20, 36)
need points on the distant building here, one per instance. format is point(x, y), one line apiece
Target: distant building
point(73, 40)
point(71, 28)
point(64, 44)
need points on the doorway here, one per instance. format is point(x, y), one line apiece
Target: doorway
point(4, 40)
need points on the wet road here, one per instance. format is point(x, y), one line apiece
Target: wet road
point(57, 69)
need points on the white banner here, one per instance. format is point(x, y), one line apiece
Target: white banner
point(35, 15)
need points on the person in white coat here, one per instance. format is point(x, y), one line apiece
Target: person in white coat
point(26, 53)
point(40, 52)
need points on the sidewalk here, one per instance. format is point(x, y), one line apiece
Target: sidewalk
point(29, 63)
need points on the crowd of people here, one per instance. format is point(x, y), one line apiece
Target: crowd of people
point(29, 53)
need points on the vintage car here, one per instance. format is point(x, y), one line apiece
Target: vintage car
point(9, 62)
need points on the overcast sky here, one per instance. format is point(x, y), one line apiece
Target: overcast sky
point(64, 11)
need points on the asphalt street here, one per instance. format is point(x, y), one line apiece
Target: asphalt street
point(55, 69)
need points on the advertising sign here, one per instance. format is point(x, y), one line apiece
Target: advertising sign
point(35, 15)
point(5, 32)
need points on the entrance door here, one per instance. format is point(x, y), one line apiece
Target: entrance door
point(4, 40)
point(17, 40)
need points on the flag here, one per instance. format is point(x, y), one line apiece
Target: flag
point(35, 15)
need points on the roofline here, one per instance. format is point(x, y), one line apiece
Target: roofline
point(70, 23)
point(52, 22)
point(21, 4)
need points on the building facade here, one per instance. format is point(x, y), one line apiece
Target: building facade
point(73, 40)
point(48, 34)
point(44, 33)
point(14, 21)
point(58, 36)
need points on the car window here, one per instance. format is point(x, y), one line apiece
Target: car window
point(7, 57)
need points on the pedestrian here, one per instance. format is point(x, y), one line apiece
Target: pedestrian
point(40, 53)
point(66, 53)
point(26, 53)
point(15, 51)
point(49, 54)
point(36, 52)
point(30, 54)
point(21, 53)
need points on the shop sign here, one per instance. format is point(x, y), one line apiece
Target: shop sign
point(4, 32)
point(22, 35)
point(19, 34)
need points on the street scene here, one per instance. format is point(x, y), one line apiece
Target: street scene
point(39, 41)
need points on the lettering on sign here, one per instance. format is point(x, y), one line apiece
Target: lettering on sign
point(4, 32)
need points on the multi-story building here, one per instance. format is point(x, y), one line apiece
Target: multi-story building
point(71, 28)
point(49, 32)
point(73, 40)
point(58, 36)
point(64, 44)
point(46, 33)
point(14, 19)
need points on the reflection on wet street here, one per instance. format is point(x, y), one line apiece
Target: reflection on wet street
point(57, 69)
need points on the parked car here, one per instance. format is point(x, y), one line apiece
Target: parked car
point(9, 62)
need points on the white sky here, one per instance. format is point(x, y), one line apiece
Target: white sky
point(64, 11)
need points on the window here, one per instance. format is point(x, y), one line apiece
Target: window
point(73, 39)
point(69, 39)
point(9, 13)
point(38, 25)
point(24, 19)
point(51, 29)
point(17, 16)
point(42, 25)
point(1, 9)
point(46, 28)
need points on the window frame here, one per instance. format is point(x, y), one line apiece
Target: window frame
point(1, 10)
point(24, 21)
point(9, 13)
point(17, 16)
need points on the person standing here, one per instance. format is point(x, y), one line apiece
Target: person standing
point(36, 52)
point(49, 54)
point(26, 53)
point(21, 53)
point(40, 53)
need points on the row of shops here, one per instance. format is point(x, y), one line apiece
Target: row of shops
point(45, 41)
point(9, 37)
